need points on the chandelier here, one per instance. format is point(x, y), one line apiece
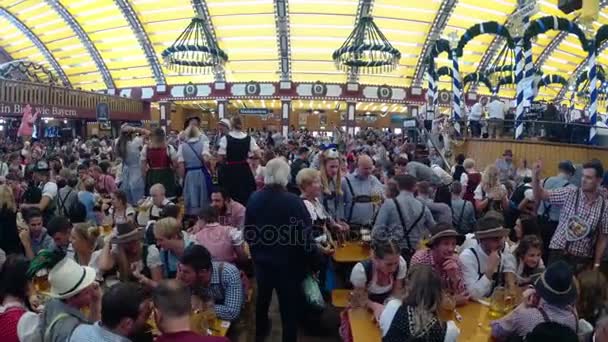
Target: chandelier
point(195, 50)
point(367, 50)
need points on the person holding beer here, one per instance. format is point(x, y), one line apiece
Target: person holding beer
point(487, 264)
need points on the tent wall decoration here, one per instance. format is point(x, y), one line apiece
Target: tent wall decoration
point(195, 50)
point(367, 50)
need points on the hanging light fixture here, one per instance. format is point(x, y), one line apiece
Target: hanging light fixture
point(195, 50)
point(367, 50)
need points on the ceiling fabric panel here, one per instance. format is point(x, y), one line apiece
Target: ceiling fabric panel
point(246, 30)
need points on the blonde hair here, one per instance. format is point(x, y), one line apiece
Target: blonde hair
point(7, 200)
point(88, 233)
point(167, 227)
point(489, 179)
point(468, 163)
point(323, 159)
point(423, 293)
point(306, 176)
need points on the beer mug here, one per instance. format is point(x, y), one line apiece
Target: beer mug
point(498, 303)
point(106, 225)
point(41, 281)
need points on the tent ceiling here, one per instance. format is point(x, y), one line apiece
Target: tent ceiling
point(247, 31)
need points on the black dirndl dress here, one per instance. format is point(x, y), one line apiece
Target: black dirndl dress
point(235, 175)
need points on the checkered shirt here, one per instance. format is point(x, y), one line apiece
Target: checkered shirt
point(455, 285)
point(227, 293)
point(588, 211)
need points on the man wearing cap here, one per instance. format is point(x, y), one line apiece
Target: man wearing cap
point(42, 176)
point(73, 288)
point(487, 265)
point(581, 236)
point(505, 166)
point(551, 300)
point(548, 215)
point(440, 255)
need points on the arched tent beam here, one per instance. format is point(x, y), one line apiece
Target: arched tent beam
point(38, 43)
point(143, 39)
point(86, 41)
point(439, 23)
point(478, 77)
point(544, 24)
point(488, 27)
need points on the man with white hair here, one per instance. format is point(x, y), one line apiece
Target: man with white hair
point(277, 226)
point(153, 205)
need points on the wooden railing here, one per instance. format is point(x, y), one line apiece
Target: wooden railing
point(12, 91)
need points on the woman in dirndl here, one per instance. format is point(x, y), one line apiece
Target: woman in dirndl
point(192, 155)
point(128, 148)
point(159, 161)
point(236, 176)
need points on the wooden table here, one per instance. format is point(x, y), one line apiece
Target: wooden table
point(351, 252)
point(474, 327)
point(340, 297)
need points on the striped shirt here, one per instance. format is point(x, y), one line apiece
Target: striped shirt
point(95, 333)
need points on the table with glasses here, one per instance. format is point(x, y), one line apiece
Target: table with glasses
point(474, 324)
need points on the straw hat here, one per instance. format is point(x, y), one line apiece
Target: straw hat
point(128, 232)
point(225, 122)
point(444, 230)
point(67, 278)
point(490, 226)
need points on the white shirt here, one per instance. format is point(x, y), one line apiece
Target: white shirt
point(476, 112)
point(253, 146)
point(497, 109)
point(359, 279)
point(390, 309)
point(49, 190)
point(205, 152)
point(481, 287)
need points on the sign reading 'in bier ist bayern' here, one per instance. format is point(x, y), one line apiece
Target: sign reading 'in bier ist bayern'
point(48, 111)
point(16, 109)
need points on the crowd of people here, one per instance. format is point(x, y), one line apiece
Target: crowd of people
point(129, 239)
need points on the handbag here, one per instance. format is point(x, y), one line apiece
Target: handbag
point(312, 293)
